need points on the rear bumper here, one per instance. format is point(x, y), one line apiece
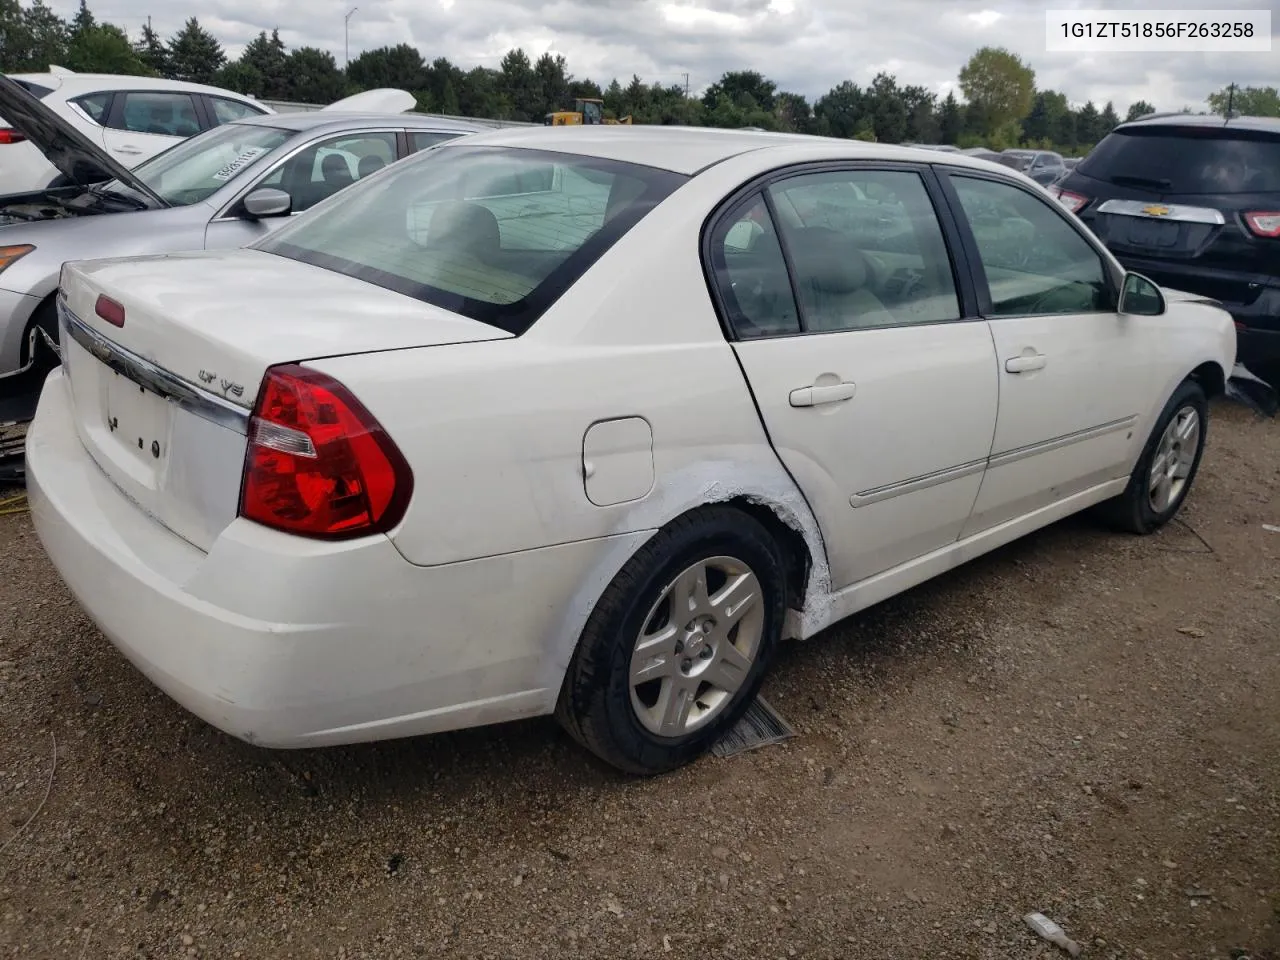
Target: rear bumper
point(288, 643)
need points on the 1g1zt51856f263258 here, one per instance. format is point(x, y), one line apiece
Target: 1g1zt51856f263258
point(587, 422)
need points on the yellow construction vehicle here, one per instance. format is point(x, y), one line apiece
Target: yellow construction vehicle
point(585, 110)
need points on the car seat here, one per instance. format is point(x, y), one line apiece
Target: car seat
point(835, 281)
point(370, 165)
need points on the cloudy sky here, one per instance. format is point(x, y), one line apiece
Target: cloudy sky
point(805, 45)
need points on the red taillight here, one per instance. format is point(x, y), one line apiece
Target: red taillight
point(318, 463)
point(1264, 224)
point(1074, 202)
point(10, 136)
point(110, 311)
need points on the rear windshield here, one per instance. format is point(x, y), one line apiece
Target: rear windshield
point(492, 233)
point(1186, 161)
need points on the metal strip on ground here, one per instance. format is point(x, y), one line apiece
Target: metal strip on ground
point(759, 727)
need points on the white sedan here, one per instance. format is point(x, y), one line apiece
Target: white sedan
point(586, 421)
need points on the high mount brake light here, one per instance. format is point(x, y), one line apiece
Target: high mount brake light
point(1264, 224)
point(318, 464)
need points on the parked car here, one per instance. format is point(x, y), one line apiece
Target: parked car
point(1194, 202)
point(1042, 166)
point(132, 118)
point(546, 420)
point(222, 188)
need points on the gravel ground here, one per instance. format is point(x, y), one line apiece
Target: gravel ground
point(1082, 723)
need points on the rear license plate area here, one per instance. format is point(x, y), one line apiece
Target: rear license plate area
point(1144, 232)
point(139, 419)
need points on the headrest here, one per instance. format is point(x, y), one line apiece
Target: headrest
point(334, 164)
point(465, 227)
point(370, 164)
point(827, 259)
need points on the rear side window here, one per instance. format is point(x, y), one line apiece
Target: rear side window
point(227, 111)
point(164, 114)
point(95, 105)
point(494, 234)
point(1187, 161)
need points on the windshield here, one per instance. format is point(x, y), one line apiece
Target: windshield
point(1188, 161)
point(494, 234)
point(195, 169)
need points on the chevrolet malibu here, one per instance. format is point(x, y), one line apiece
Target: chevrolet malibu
point(587, 422)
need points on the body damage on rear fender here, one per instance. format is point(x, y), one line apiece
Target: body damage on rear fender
point(762, 484)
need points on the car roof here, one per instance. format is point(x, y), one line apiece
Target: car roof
point(72, 83)
point(309, 120)
point(689, 150)
point(1201, 120)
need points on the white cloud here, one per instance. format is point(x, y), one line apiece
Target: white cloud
point(806, 46)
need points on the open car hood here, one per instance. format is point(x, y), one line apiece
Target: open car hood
point(383, 100)
point(75, 156)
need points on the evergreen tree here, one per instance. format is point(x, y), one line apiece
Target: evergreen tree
point(151, 52)
point(195, 54)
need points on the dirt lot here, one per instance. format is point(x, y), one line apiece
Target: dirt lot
point(1083, 724)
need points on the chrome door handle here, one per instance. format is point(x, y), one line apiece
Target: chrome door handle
point(1024, 363)
point(817, 395)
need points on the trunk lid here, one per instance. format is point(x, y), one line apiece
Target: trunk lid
point(70, 151)
point(162, 402)
point(382, 100)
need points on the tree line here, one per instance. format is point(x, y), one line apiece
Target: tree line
point(1001, 105)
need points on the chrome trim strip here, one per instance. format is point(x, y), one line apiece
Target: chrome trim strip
point(1057, 443)
point(1178, 212)
point(891, 490)
point(146, 374)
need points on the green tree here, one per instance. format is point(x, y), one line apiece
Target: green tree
point(82, 21)
point(103, 48)
point(1088, 125)
point(1065, 130)
point(15, 37)
point(792, 112)
point(923, 124)
point(266, 58)
point(522, 86)
point(950, 120)
point(887, 109)
point(746, 89)
point(1108, 121)
point(151, 51)
point(554, 82)
point(841, 110)
point(46, 36)
point(999, 84)
point(1139, 109)
point(314, 76)
point(195, 54)
point(1247, 101)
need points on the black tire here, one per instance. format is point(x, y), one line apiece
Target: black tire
point(595, 704)
point(1133, 511)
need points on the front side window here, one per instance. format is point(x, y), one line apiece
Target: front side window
point(321, 170)
point(494, 234)
point(227, 111)
point(196, 169)
point(866, 249)
point(1035, 262)
point(164, 114)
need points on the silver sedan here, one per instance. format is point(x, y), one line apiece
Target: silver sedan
point(224, 188)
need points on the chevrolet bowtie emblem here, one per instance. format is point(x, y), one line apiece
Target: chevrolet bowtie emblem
point(1155, 210)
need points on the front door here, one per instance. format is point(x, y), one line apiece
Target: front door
point(1075, 375)
point(877, 396)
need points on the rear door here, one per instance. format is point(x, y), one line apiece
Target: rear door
point(142, 123)
point(1076, 377)
point(876, 385)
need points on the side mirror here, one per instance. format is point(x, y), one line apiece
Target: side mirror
point(1139, 297)
point(267, 202)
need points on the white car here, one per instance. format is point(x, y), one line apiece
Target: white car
point(587, 421)
point(132, 118)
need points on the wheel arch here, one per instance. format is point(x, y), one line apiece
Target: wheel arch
point(1211, 377)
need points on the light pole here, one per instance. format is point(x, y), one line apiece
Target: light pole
point(346, 35)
